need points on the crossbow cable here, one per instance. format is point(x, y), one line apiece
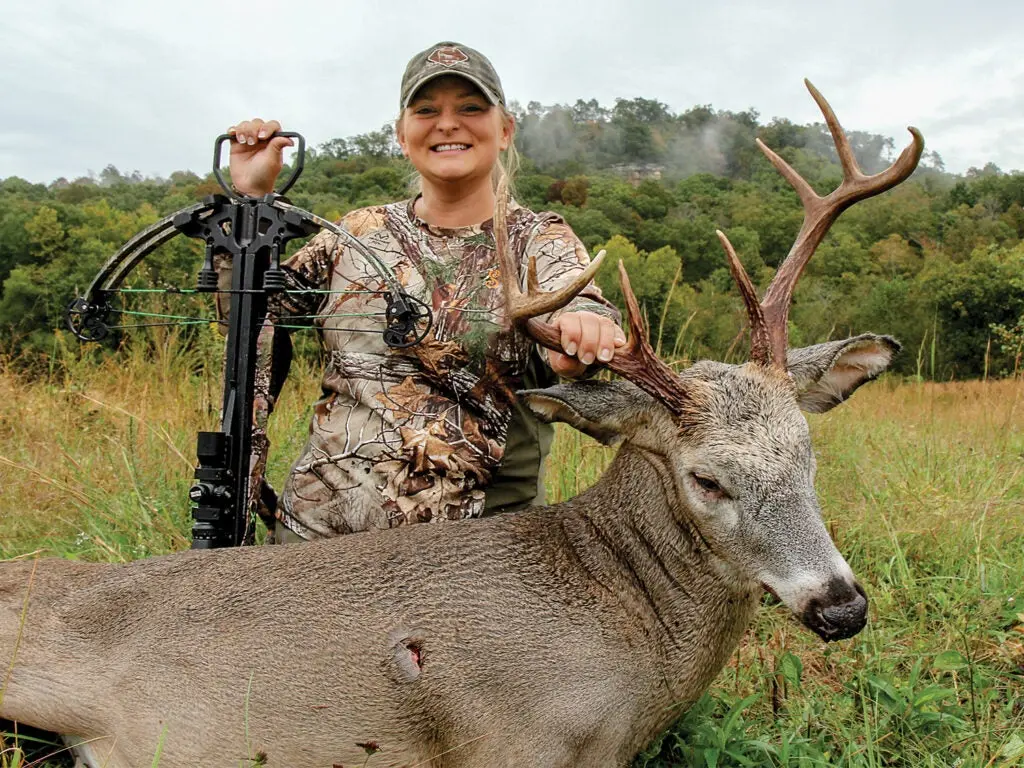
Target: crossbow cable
point(254, 232)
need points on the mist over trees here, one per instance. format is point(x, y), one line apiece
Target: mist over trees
point(938, 262)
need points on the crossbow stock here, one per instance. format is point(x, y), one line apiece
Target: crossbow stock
point(254, 233)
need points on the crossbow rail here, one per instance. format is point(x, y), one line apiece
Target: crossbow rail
point(253, 232)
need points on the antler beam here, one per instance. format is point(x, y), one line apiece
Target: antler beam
point(769, 320)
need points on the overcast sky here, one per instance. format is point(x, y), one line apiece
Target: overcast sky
point(148, 85)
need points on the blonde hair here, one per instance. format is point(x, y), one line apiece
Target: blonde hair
point(505, 169)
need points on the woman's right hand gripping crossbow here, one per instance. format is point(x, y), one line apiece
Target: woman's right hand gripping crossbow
point(257, 156)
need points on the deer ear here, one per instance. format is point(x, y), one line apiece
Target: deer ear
point(607, 411)
point(826, 374)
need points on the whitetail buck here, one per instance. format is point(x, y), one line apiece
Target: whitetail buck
point(559, 636)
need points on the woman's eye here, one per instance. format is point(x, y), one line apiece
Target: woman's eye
point(707, 484)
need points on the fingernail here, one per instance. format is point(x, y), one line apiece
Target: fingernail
point(262, 134)
point(620, 340)
point(588, 358)
point(240, 138)
point(571, 349)
point(250, 141)
point(604, 355)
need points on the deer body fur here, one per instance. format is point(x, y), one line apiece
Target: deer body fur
point(548, 638)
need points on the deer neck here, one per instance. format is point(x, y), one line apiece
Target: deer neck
point(633, 534)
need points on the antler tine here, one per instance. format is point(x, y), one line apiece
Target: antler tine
point(819, 214)
point(862, 186)
point(637, 327)
point(509, 272)
point(520, 307)
point(537, 302)
point(760, 342)
point(637, 361)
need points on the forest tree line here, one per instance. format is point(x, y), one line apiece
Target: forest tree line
point(938, 262)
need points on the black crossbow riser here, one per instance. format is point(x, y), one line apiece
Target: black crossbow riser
point(253, 232)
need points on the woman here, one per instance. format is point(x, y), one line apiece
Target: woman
point(432, 432)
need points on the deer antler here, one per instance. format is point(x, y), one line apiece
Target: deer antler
point(769, 319)
point(636, 361)
point(520, 307)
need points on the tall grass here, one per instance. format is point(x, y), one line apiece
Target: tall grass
point(922, 486)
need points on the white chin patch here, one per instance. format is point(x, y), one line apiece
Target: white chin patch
point(796, 591)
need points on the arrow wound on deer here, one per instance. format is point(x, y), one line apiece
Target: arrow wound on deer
point(407, 651)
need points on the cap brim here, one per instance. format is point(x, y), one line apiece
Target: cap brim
point(491, 97)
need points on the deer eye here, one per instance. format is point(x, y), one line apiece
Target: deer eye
point(707, 484)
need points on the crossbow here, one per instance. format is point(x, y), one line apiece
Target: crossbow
point(253, 232)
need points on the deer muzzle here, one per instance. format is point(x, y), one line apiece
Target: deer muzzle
point(841, 612)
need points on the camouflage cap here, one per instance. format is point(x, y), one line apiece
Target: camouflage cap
point(448, 58)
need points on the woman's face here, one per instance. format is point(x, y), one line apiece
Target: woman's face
point(451, 133)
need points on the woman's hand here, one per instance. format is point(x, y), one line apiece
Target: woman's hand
point(255, 158)
point(586, 337)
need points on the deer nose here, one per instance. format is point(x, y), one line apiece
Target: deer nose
point(840, 613)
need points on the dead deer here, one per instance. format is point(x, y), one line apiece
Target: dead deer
point(560, 636)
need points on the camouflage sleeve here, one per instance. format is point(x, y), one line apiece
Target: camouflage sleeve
point(560, 257)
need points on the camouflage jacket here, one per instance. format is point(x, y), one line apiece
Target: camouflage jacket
point(417, 434)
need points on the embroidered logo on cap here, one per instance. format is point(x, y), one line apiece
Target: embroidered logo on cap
point(447, 56)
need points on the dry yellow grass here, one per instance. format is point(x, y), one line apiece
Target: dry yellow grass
point(906, 457)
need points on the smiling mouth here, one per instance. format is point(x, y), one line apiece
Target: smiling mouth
point(450, 148)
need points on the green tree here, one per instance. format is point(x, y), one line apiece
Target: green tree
point(970, 297)
point(46, 237)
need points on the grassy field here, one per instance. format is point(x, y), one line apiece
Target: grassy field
point(922, 486)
